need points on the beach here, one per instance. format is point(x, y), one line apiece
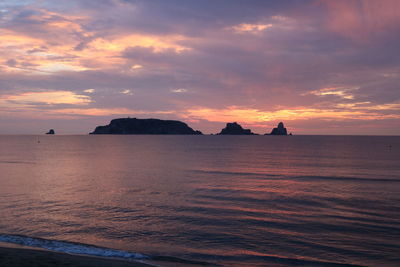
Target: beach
point(15, 257)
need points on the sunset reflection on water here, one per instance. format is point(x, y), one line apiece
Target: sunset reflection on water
point(233, 200)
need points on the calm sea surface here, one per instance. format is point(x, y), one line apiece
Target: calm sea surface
point(227, 200)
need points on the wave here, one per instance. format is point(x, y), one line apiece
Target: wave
point(69, 247)
point(265, 176)
point(91, 250)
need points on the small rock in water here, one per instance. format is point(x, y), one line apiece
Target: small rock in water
point(280, 130)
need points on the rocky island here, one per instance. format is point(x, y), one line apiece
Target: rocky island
point(51, 131)
point(145, 126)
point(280, 130)
point(235, 129)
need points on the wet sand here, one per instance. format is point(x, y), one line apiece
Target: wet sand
point(16, 257)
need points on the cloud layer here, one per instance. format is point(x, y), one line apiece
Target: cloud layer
point(326, 67)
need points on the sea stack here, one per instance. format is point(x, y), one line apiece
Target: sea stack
point(145, 126)
point(280, 130)
point(235, 129)
point(51, 131)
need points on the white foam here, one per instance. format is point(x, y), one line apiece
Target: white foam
point(69, 247)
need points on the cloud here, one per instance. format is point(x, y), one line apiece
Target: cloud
point(179, 90)
point(52, 42)
point(364, 20)
point(251, 28)
point(105, 112)
point(342, 92)
point(207, 61)
point(127, 92)
point(253, 116)
point(136, 66)
point(45, 98)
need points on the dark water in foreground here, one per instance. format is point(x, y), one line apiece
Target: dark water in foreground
point(230, 200)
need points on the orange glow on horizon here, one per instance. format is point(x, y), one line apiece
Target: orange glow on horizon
point(254, 116)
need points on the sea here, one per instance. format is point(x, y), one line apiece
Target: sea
point(205, 200)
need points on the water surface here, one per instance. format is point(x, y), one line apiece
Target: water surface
point(228, 200)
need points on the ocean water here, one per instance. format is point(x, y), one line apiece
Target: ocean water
point(222, 200)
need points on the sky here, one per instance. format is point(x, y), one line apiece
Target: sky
point(320, 66)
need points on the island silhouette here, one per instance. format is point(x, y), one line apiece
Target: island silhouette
point(280, 130)
point(51, 131)
point(145, 126)
point(127, 126)
point(234, 128)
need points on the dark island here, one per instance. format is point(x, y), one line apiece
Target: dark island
point(51, 131)
point(235, 129)
point(280, 130)
point(145, 126)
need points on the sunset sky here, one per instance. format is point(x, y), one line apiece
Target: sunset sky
point(321, 67)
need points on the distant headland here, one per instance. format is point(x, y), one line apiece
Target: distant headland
point(170, 127)
point(145, 126)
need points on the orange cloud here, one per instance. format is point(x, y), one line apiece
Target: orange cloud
point(250, 28)
point(120, 43)
point(63, 44)
point(46, 98)
point(12, 40)
point(254, 116)
point(18, 47)
point(342, 92)
point(35, 104)
point(105, 111)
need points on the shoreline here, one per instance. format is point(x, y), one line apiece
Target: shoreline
point(16, 256)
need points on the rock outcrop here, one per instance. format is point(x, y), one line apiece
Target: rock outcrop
point(280, 130)
point(51, 131)
point(235, 129)
point(144, 126)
